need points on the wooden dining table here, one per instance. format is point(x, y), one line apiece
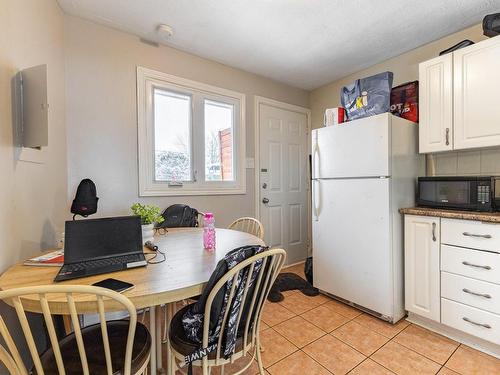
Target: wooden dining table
point(183, 274)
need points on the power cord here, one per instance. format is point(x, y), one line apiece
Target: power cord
point(152, 259)
point(154, 247)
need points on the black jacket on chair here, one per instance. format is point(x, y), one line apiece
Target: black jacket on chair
point(193, 318)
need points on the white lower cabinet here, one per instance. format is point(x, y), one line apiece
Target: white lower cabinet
point(422, 278)
point(449, 281)
point(471, 320)
point(472, 292)
point(478, 264)
point(470, 234)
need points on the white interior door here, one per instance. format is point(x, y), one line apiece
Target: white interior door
point(283, 179)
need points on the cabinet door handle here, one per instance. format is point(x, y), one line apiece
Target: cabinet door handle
point(465, 290)
point(475, 323)
point(434, 232)
point(477, 235)
point(465, 263)
point(447, 136)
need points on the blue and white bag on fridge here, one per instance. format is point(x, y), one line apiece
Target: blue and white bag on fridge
point(367, 96)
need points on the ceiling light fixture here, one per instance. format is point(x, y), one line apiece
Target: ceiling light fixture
point(164, 31)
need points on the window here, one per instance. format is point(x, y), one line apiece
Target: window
point(172, 135)
point(191, 137)
point(218, 141)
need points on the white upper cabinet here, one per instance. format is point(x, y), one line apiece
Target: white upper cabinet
point(459, 100)
point(476, 95)
point(436, 104)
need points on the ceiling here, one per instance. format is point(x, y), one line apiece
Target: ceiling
point(304, 43)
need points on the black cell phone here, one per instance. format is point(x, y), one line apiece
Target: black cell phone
point(113, 284)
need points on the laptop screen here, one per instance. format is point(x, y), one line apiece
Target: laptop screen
point(96, 238)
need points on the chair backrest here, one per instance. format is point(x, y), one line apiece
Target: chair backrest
point(72, 295)
point(248, 225)
point(253, 297)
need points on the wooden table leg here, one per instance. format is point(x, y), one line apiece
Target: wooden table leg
point(168, 318)
point(158, 342)
point(152, 331)
point(68, 327)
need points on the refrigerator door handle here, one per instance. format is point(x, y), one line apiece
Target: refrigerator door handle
point(315, 152)
point(314, 205)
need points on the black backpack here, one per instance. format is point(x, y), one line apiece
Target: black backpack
point(179, 215)
point(491, 25)
point(85, 202)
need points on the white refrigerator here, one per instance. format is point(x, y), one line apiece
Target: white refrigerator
point(363, 171)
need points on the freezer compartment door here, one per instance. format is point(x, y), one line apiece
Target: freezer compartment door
point(358, 148)
point(352, 254)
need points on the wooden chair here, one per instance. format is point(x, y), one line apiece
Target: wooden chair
point(248, 225)
point(248, 338)
point(114, 347)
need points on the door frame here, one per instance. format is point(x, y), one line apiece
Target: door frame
point(258, 100)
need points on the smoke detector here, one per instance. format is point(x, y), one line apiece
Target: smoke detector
point(164, 31)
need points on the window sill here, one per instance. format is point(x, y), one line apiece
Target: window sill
point(174, 191)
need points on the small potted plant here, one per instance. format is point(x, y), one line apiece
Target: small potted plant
point(149, 216)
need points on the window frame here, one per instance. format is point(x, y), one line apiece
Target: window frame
point(147, 81)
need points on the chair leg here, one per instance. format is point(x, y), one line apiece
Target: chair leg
point(168, 314)
point(259, 356)
point(222, 369)
point(259, 346)
point(206, 369)
point(171, 370)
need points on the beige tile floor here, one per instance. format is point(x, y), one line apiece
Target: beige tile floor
point(317, 335)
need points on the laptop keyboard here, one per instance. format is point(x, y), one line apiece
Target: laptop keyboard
point(102, 263)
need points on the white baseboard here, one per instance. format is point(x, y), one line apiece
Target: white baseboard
point(454, 334)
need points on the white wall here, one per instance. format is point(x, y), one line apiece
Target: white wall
point(405, 68)
point(102, 121)
point(32, 196)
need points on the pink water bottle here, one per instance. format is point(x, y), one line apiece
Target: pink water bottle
point(209, 231)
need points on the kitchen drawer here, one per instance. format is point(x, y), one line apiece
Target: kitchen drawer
point(472, 234)
point(468, 319)
point(477, 264)
point(480, 294)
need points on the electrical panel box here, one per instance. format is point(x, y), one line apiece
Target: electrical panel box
point(32, 107)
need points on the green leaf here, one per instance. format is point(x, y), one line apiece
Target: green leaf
point(149, 214)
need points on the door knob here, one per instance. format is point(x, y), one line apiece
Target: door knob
point(264, 186)
point(265, 200)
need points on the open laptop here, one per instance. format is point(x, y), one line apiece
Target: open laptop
point(96, 246)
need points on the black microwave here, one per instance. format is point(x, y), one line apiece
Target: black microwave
point(480, 193)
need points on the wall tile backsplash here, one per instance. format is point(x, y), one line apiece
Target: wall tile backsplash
point(483, 162)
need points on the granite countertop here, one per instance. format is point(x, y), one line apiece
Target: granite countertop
point(490, 217)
